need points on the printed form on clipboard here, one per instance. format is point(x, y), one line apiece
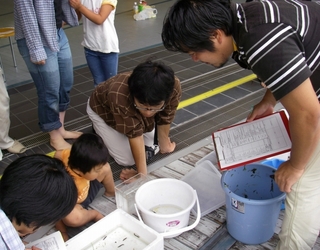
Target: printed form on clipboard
point(248, 142)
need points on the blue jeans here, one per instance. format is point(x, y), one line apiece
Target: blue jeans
point(102, 65)
point(53, 81)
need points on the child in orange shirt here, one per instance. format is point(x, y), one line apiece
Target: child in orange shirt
point(87, 163)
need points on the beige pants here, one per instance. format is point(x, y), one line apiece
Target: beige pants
point(301, 224)
point(117, 143)
point(5, 140)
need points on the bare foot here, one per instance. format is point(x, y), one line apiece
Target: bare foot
point(59, 143)
point(70, 134)
point(127, 173)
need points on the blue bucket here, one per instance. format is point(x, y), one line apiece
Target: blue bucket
point(253, 202)
point(275, 163)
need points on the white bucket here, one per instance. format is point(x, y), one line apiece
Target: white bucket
point(165, 206)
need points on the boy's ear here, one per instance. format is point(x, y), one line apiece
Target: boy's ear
point(217, 36)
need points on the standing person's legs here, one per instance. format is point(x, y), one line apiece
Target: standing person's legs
point(301, 224)
point(6, 142)
point(109, 64)
point(102, 65)
point(117, 143)
point(66, 83)
point(47, 80)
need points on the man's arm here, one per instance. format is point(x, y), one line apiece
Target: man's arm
point(28, 12)
point(139, 155)
point(165, 144)
point(303, 108)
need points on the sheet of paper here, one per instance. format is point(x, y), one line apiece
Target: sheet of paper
point(52, 241)
point(249, 141)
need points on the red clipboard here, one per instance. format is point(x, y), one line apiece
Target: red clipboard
point(249, 142)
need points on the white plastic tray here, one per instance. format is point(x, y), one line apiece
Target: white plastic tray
point(212, 157)
point(205, 179)
point(118, 230)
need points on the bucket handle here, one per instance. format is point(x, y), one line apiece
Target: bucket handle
point(180, 230)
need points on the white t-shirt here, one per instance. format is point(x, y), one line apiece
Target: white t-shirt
point(102, 38)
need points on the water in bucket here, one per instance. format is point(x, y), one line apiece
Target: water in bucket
point(166, 209)
point(253, 202)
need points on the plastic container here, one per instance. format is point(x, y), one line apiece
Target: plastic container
point(253, 202)
point(212, 157)
point(135, 8)
point(125, 192)
point(118, 230)
point(165, 205)
point(205, 179)
point(141, 5)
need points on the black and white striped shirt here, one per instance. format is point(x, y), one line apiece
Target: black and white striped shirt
point(279, 41)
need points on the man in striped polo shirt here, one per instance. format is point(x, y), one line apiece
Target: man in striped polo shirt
point(280, 42)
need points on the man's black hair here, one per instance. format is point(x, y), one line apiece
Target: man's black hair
point(37, 190)
point(190, 24)
point(151, 82)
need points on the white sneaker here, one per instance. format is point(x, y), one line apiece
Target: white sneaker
point(151, 151)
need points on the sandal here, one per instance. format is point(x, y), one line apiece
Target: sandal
point(17, 148)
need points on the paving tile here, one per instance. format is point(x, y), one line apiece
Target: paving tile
point(219, 100)
point(200, 108)
point(182, 116)
point(20, 131)
point(25, 116)
point(236, 92)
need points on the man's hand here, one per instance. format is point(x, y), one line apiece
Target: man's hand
point(165, 144)
point(287, 175)
point(127, 173)
point(167, 147)
point(264, 107)
point(259, 110)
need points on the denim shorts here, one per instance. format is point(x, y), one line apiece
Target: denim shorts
point(95, 187)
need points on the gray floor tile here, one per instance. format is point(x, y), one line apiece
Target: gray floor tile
point(182, 116)
point(200, 108)
point(219, 100)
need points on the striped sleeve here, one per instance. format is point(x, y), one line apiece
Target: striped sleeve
point(278, 58)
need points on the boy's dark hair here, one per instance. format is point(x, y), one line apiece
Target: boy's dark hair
point(189, 24)
point(87, 152)
point(151, 82)
point(37, 190)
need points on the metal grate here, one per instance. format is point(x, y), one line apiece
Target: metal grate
point(183, 134)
